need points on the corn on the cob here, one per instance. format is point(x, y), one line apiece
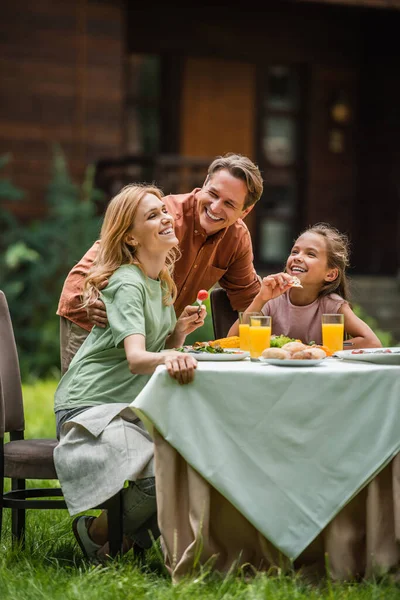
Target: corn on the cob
point(228, 342)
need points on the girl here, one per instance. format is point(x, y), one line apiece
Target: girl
point(103, 444)
point(318, 259)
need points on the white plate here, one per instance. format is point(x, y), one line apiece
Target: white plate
point(371, 355)
point(239, 355)
point(291, 362)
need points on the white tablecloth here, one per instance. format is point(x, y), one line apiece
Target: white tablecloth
point(288, 447)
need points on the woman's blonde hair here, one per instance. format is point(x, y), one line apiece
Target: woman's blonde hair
point(115, 250)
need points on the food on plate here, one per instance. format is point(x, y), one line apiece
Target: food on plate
point(380, 351)
point(276, 353)
point(324, 348)
point(233, 341)
point(294, 347)
point(317, 353)
point(200, 348)
point(295, 351)
point(277, 341)
point(309, 353)
point(296, 282)
point(209, 348)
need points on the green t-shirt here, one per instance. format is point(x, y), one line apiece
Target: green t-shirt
point(99, 372)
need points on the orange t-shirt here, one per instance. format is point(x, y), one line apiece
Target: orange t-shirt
point(225, 257)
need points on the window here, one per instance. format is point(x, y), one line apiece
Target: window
point(143, 104)
point(280, 157)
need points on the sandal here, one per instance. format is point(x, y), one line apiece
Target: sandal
point(80, 526)
point(127, 545)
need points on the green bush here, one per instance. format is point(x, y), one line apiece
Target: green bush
point(35, 259)
point(385, 337)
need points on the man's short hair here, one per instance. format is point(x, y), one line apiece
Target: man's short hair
point(243, 168)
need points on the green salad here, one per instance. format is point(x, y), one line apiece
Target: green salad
point(201, 349)
point(277, 341)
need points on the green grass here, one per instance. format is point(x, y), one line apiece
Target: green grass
point(52, 566)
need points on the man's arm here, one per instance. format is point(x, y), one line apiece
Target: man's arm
point(70, 303)
point(241, 281)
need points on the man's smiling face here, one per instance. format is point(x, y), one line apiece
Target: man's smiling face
point(220, 201)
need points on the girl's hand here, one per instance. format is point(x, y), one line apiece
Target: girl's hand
point(190, 320)
point(180, 366)
point(275, 285)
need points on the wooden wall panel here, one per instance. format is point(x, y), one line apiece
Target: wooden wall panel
point(276, 31)
point(331, 176)
point(218, 107)
point(391, 4)
point(61, 80)
point(378, 208)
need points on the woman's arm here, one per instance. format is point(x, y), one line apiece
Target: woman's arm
point(361, 334)
point(190, 320)
point(180, 366)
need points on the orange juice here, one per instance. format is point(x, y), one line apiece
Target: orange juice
point(255, 321)
point(332, 336)
point(260, 338)
point(244, 329)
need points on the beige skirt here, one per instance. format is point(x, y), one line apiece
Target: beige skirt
point(99, 450)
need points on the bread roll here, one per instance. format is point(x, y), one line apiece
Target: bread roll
point(317, 353)
point(302, 355)
point(276, 353)
point(294, 347)
point(309, 354)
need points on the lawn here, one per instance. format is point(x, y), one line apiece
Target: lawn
point(52, 566)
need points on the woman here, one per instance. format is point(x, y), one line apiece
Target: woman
point(102, 443)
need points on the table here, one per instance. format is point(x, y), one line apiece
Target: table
point(270, 465)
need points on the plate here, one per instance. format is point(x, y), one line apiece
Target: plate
point(239, 355)
point(291, 362)
point(371, 355)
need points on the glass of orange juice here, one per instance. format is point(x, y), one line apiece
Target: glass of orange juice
point(259, 334)
point(244, 329)
point(333, 331)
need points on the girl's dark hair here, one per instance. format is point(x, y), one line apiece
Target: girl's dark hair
point(338, 253)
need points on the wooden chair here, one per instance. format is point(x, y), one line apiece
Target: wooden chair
point(22, 459)
point(223, 315)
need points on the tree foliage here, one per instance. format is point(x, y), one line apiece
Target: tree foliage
point(35, 259)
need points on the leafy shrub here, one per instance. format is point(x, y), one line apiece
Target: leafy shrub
point(35, 259)
point(385, 337)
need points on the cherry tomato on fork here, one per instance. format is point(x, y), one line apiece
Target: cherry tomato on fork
point(202, 295)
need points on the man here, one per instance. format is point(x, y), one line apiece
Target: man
point(214, 242)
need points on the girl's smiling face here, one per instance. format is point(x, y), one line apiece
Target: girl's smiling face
point(308, 260)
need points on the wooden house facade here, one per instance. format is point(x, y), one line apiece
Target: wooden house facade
point(310, 90)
